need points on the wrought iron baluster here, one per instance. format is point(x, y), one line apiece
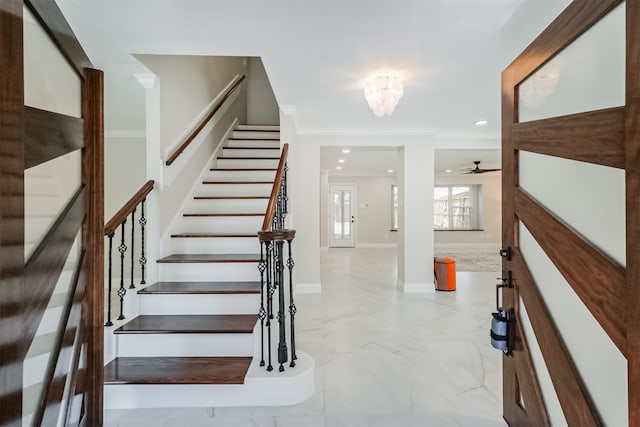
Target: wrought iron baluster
point(282, 344)
point(292, 306)
point(122, 291)
point(262, 266)
point(133, 226)
point(270, 291)
point(109, 322)
point(143, 260)
point(284, 191)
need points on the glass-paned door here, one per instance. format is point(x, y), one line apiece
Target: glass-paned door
point(342, 220)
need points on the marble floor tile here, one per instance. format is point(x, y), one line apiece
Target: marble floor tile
point(383, 358)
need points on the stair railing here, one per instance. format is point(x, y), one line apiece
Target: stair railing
point(119, 220)
point(273, 276)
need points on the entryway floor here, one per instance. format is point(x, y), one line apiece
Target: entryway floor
point(383, 358)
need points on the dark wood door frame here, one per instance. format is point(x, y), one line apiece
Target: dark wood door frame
point(611, 292)
point(26, 288)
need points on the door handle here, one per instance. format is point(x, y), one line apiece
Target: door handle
point(353, 219)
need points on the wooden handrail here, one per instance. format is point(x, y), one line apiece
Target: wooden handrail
point(117, 219)
point(203, 123)
point(273, 200)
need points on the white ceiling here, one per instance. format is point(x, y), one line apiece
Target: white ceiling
point(360, 160)
point(317, 53)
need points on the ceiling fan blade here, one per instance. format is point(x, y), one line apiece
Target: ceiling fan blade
point(489, 170)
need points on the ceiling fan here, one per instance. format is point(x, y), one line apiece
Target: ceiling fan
point(478, 169)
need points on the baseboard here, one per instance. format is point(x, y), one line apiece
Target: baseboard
point(376, 245)
point(308, 288)
point(416, 288)
point(469, 246)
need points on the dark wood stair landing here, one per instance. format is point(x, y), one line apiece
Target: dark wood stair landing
point(177, 370)
point(190, 324)
point(202, 288)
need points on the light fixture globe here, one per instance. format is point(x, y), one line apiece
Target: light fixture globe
point(383, 93)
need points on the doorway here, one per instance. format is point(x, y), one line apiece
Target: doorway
point(342, 219)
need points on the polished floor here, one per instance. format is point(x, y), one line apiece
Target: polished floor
point(384, 358)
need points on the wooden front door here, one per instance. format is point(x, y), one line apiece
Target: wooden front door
point(571, 191)
point(51, 216)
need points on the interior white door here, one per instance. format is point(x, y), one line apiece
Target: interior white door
point(342, 220)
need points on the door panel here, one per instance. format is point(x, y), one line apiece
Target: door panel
point(563, 217)
point(342, 220)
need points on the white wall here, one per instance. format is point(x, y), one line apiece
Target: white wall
point(373, 211)
point(188, 84)
point(262, 107)
point(125, 170)
point(416, 155)
point(491, 213)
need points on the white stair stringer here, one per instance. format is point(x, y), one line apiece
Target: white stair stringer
point(260, 388)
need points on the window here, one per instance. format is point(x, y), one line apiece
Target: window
point(456, 207)
point(394, 208)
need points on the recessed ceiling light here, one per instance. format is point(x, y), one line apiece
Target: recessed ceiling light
point(346, 151)
point(390, 170)
point(341, 161)
point(480, 122)
point(448, 171)
point(339, 167)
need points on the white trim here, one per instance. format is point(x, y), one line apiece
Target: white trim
point(376, 245)
point(470, 246)
point(147, 81)
point(125, 133)
point(308, 288)
point(417, 288)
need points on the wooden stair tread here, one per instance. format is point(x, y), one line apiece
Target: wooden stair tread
point(213, 235)
point(177, 370)
point(247, 158)
point(254, 139)
point(209, 258)
point(251, 148)
point(229, 197)
point(242, 169)
point(236, 182)
point(190, 324)
point(219, 214)
point(201, 288)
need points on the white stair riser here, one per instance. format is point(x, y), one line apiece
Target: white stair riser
point(261, 388)
point(215, 272)
point(235, 176)
point(238, 152)
point(34, 369)
point(258, 127)
point(255, 134)
point(235, 189)
point(227, 205)
point(184, 345)
point(218, 245)
point(200, 304)
point(224, 224)
point(246, 163)
point(252, 143)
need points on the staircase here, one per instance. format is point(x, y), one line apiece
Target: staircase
point(196, 341)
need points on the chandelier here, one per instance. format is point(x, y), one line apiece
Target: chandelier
point(383, 93)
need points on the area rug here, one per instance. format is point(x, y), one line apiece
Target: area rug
point(470, 260)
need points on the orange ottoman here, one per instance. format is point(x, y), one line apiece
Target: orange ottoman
point(444, 270)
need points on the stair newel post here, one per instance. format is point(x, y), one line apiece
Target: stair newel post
point(109, 322)
point(133, 226)
point(143, 260)
point(270, 291)
point(282, 344)
point(292, 305)
point(123, 249)
point(262, 265)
